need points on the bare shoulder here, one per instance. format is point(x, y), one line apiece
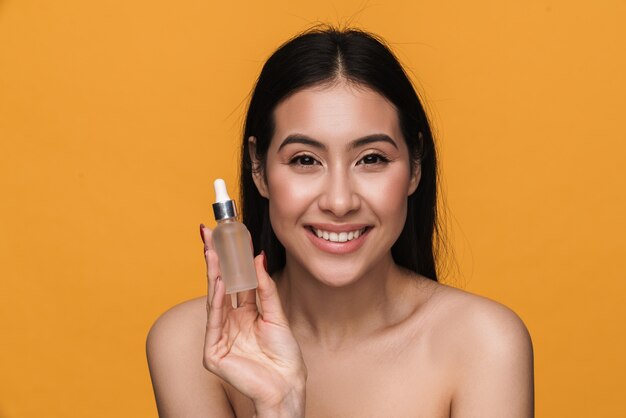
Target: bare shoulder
point(174, 349)
point(184, 320)
point(479, 319)
point(490, 351)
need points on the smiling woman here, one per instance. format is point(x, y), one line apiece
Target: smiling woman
point(353, 177)
point(339, 181)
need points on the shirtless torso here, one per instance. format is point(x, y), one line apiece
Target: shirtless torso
point(454, 349)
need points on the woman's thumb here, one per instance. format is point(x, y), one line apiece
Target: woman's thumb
point(268, 294)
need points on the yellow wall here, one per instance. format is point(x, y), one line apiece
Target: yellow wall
point(116, 115)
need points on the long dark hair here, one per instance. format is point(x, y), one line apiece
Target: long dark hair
point(322, 55)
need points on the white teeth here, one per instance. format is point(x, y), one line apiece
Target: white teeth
point(338, 236)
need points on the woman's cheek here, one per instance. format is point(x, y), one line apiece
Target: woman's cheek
point(291, 195)
point(285, 185)
point(388, 190)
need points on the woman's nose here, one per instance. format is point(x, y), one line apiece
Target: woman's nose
point(339, 195)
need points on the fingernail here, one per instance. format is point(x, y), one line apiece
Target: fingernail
point(202, 233)
point(264, 259)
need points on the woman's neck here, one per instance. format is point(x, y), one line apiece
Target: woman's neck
point(331, 316)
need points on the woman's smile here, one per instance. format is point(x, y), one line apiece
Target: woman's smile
point(338, 239)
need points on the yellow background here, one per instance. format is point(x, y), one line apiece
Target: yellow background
point(115, 116)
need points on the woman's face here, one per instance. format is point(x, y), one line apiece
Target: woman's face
point(338, 177)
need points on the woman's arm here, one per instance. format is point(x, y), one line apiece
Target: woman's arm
point(495, 367)
point(251, 347)
point(182, 387)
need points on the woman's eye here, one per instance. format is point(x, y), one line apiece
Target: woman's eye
point(303, 160)
point(374, 159)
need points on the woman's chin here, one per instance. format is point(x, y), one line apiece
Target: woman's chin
point(337, 277)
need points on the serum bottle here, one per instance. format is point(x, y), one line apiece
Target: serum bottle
point(232, 244)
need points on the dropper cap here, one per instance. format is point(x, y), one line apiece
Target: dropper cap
point(224, 207)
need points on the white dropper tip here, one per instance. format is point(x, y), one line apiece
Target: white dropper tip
point(221, 194)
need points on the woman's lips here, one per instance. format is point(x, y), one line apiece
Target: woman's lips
point(337, 247)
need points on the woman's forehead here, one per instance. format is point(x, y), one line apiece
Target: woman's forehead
point(341, 110)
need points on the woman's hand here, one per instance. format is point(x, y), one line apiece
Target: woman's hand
point(252, 347)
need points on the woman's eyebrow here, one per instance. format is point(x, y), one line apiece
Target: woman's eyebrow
point(306, 140)
point(301, 139)
point(372, 138)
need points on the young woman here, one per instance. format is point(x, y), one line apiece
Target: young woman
point(338, 189)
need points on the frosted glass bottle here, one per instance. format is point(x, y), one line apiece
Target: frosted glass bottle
point(232, 244)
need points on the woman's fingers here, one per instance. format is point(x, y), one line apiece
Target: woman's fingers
point(213, 272)
point(211, 259)
point(270, 306)
point(207, 237)
point(214, 327)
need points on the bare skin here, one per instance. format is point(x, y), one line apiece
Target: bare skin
point(339, 332)
point(425, 366)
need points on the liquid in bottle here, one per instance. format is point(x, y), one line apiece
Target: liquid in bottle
point(232, 244)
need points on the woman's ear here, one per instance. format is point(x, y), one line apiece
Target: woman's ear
point(257, 173)
point(414, 181)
